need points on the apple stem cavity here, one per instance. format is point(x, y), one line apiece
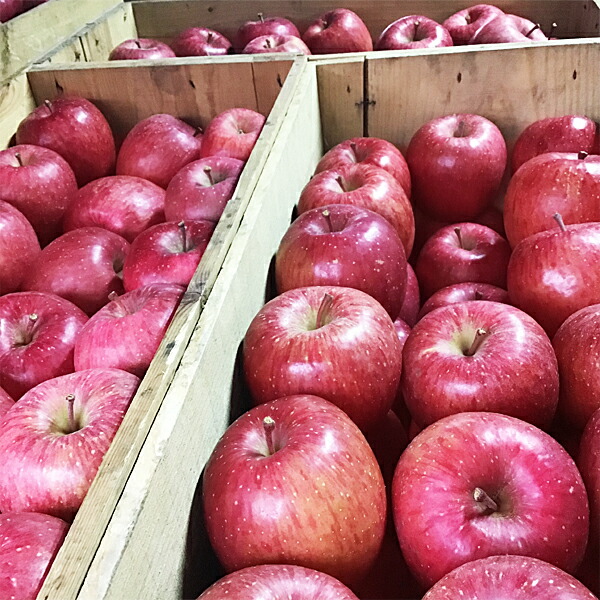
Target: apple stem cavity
point(269, 426)
point(209, 37)
point(558, 218)
point(459, 236)
point(340, 182)
point(478, 295)
point(482, 498)
point(462, 129)
point(536, 26)
point(208, 172)
point(582, 155)
point(70, 398)
point(353, 148)
point(19, 159)
point(323, 311)
point(181, 226)
point(480, 335)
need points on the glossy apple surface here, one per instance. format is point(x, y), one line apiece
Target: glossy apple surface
point(508, 28)
point(347, 246)
point(40, 184)
point(456, 163)
point(263, 26)
point(141, 48)
point(53, 440)
point(413, 32)
point(464, 24)
point(157, 148)
point(463, 292)
point(28, 544)
point(294, 481)
point(515, 577)
point(75, 129)
point(504, 498)
point(37, 337)
point(412, 298)
point(122, 204)
point(201, 41)
point(338, 31)
point(276, 43)
point(125, 334)
point(10, 9)
point(84, 266)
point(365, 186)
point(479, 356)
point(334, 342)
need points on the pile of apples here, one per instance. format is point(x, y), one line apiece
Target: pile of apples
point(339, 31)
point(484, 360)
point(12, 8)
point(93, 265)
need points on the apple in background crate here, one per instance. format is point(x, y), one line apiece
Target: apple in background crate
point(339, 30)
point(464, 24)
point(201, 41)
point(276, 43)
point(508, 28)
point(413, 32)
point(251, 30)
point(141, 48)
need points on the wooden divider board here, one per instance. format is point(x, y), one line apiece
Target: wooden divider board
point(108, 86)
point(16, 102)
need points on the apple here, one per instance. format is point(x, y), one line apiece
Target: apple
point(460, 253)
point(508, 577)
point(365, 186)
point(54, 438)
point(84, 266)
point(479, 356)
point(479, 484)
point(19, 247)
point(40, 184)
point(10, 9)
point(166, 253)
point(508, 28)
point(119, 203)
point(232, 133)
point(334, 342)
point(457, 163)
point(528, 28)
point(463, 292)
point(75, 129)
point(157, 148)
point(140, 48)
point(29, 544)
point(6, 402)
point(201, 41)
point(464, 24)
point(277, 581)
point(412, 298)
point(554, 273)
point(37, 336)
point(370, 151)
point(294, 481)
point(201, 189)
point(276, 43)
point(399, 406)
point(344, 245)
point(569, 133)
point(269, 26)
point(125, 334)
point(556, 182)
point(412, 32)
point(338, 31)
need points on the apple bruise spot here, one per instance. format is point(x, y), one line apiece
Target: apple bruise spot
point(269, 426)
point(480, 336)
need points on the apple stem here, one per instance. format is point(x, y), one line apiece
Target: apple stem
point(327, 216)
point(181, 226)
point(268, 43)
point(482, 497)
point(478, 295)
point(208, 172)
point(137, 43)
point(537, 26)
point(459, 236)
point(558, 218)
point(70, 398)
point(552, 29)
point(19, 159)
point(323, 310)
point(582, 155)
point(461, 129)
point(480, 335)
point(48, 105)
point(340, 182)
point(353, 147)
point(199, 131)
point(261, 17)
point(113, 296)
point(209, 37)
point(269, 426)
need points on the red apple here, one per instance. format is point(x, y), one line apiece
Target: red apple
point(39, 183)
point(10, 9)
point(157, 147)
point(19, 247)
point(29, 543)
point(370, 151)
point(334, 342)
point(339, 30)
point(75, 129)
point(528, 28)
point(551, 183)
point(294, 481)
point(276, 43)
point(412, 298)
point(344, 245)
point(464, 24)
point(166, 253)
point(570, 133)
point(461, 253)
point(474, 485)
point(277, 581)
point(463, 292)
point(125, 334)
point(53, 440)
point(479, 356)
point(456, 163)
point(202, 189)
point(365, 186)
point(269, 26)
point(83, 266)
point(232, 133)
point(140, 48)
point(508, 28)
point(201, 41)
point(6, 402)
point(119, 203)
point(412, 32)
point(399, 406)
point(37, 336)
point(508, 577)
point(554, 273)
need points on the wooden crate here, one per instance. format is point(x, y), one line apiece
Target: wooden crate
point(154, 546)
point(195, 91)
point(164, 19)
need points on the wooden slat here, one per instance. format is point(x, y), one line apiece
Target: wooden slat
point(70, 567)
point(16, 102)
